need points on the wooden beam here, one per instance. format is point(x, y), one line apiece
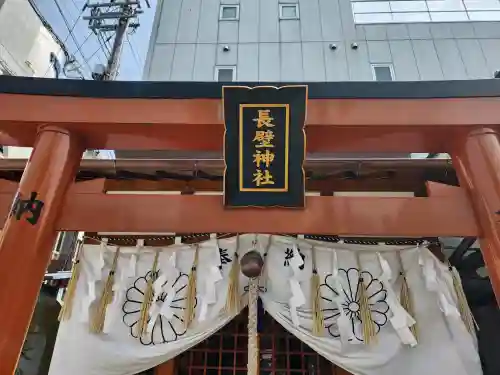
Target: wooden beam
point(328, 185)
point(339, 125)
point(155, 213)
point(410, 183)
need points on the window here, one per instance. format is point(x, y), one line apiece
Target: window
point(289, 11)
point(406, 11)
point(229, 12)
point(225, 73)
point(382, 72)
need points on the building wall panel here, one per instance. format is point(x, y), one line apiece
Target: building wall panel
point(169, 21)
point(309, 16)
point(491, 51)
point(427, 60)
point(269, 62)
point(183, 62)
point(161, 64)
point(331, 23)
point(248, 62)
point(265, 48)
point(189, 21)
point(313, 62)
point(379, 52)
point(358, 63)
point(336, 62)
point(291, 69)
point(228, 31)
point(269, 26)
point(226, 58)
point(249, 21)
point(290, 31)
point(208, 25)
point(450, 59)
point(473, 58)
point(204, 62)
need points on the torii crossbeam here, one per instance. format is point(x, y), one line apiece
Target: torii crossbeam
point(62, 118)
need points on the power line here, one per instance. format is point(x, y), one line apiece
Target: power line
point(49, 28)
point(104, 44)
point(69, 59)
point(100, 48)
point(70, 29)
point(134, 53)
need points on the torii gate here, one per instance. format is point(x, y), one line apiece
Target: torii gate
point(62, 118)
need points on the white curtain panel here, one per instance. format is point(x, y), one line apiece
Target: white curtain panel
point(118, 351)
point(444, 345)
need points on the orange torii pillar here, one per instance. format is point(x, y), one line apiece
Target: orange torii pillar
point(476, 158)
point(28, 235)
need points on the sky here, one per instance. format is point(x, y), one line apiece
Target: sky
point(85, 45)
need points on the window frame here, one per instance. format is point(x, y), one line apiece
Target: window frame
point(297, 13)
point(221, 12)
point(382, 65)
point(218, 68)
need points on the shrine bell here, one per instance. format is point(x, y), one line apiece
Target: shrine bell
point(251, 264)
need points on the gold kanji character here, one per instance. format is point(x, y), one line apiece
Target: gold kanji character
point(265, 158)
point(264, 137)
point(264, 118)
point(263, 177)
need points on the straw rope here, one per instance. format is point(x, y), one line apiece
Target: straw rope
point(463, 305)
point(265, 273)
point(368, 326)
point(148, 299)
point(106, 297)
point(318, 318)
point(232, 306)
point(67, 307)
point(189, 313)
point(253, 338)
point(405, 295)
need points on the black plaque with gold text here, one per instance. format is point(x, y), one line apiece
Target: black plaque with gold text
point(264, 146)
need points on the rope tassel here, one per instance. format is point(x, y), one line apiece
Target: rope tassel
point(368, 326)
point(106, 297)
point(189, 313)
point(318, 318)
point(232, 306)
point(263, 279)
point(142, 324)
point(67, 307)
point(405, 296)
point(463, 305)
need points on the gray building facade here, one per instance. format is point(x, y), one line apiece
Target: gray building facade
point(324, 40)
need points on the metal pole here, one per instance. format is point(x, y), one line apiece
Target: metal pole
point(117, 17)
point(114, 58)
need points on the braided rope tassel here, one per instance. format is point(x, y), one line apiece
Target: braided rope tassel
point(253, 338)
point(369, 332)
point(318, 318)
point(463, 305)
point(189, 313)
point(148, 299)
point(265, 273)
point(67, 307)
point(405, 295)
point(106, 297)
point(232, 306)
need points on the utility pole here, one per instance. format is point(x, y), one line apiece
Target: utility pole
point(117, 17)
